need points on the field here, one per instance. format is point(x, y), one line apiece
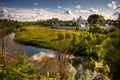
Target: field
point(44, 37)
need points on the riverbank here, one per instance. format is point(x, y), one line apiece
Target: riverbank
point(5, 31)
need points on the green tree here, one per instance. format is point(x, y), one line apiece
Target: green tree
point(77, 25)
point(96, 19)
point(54, 20)
point(118, 25)
point(112, 58)
point(19, 70)
point(98, 29)
point(67, 23)
point(75, 40)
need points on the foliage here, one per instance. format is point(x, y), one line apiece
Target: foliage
point(19, 70)
point(76, 24)
point(22, 29)
point(61, 36)
point(68, 35)
point(48, 22)
point(98, 29)
point(118, 25)
point(88, 44)
point(75, 40)
point(112, 53)
point(47, 77)
point(10, 25)
point(96, 19)
point(68, 23)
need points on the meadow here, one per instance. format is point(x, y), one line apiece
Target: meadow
point(45, 37)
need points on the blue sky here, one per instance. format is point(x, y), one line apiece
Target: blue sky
point(62, 9)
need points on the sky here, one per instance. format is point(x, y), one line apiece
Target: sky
point(32, 10)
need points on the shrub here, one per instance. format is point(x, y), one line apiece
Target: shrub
point(23, 29)
point(61, 36)
point(68, 36)
point(98, 29)
point(77, 28)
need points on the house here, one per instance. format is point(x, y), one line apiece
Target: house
point(84, 25)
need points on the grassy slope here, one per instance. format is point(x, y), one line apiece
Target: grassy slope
point(44, 37)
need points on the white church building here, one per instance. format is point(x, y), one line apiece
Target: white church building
point(82, 22)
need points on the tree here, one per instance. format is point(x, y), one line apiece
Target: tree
point(67, 23)
point(118, 21)
point(54, 20)
point(77, 25)
point(96, 19)
point(112, 58)
point(98, 29)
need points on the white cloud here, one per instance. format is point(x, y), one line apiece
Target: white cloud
point(112, 5)
point(59, 7)
point(84, 11)
point(35, 9)
point(116, 13)
point(34, 14)
point(35, 4)
point(119, 6)
point(78, 6)
point(43, 14)
point(68, 11)
point(111, 16)
point(93, 10)
point(3, 13)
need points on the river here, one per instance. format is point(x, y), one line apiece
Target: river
point(38, 55)
point(30, 50)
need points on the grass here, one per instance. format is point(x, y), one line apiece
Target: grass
point(44, 37)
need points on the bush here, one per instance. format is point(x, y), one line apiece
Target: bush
point(47, 77)
point(68, 36)
point(61, 36)
point(77, 28)
point(98, 29)
point(23, 29)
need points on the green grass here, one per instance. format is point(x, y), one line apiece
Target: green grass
point(44, 37)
